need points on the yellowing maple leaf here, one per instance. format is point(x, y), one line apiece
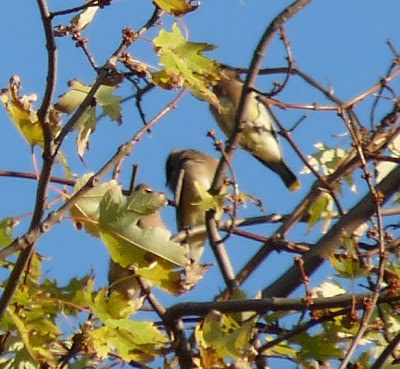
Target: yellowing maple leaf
point(176, 7)
point(23, 114)
point(185, 60)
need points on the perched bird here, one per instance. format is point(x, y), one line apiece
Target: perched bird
point(183, 169)
point(122, 279)
point(259, 135)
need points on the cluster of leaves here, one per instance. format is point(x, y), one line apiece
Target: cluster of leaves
point(106, 213)
point(34, 337)
point(25, 118)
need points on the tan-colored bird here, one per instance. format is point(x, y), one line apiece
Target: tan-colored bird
point(122, 279)
point(259, 136)
point(183, 169)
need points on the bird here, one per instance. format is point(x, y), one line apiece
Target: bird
point(259, 136)
point(122, 279)
point(183, 170)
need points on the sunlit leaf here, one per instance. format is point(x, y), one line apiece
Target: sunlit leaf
point(87, 122)
point(84, 18)
point(321, 209)
point(113, 307)
point(349, 267)
point(328, 289)
point(282, 349)
point(184, 62)
point(317, 348)
point(6, 231)
point(326, 160)
point(86, 210)
point(38, 345)
point(175, 7)
point(161, 275)
point(23, 114)
point(128, 244)
point(143, 333)
point(384, 167)
point(222, 334)
point(207, 200)
point(132, 340)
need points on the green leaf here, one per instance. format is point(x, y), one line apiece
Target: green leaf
point(320, 209)
point(68, 298)
point(86, 210)
point(185, 64)
point(207, 200)
point(142, 333)
point(282, 349)
point(37, 333)
point(384, 167)
point(106, 213)
point(138, 341)
point(6, 231)
point(110, 104)
point(113, 307)
point(176, 7)
point(224, 335)
point(161, 275)
point(317, 348)
point(349, 267)
point(71, 100)
point(128, 244)
point(87, 122)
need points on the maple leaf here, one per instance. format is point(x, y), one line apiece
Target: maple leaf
point(185, 64)
point(176, 7)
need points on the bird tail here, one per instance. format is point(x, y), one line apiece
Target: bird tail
point(288, 177)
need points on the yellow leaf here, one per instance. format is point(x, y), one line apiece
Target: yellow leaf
point(207, 200)
point(176, 7)
point(184, 61)
point(24, 116)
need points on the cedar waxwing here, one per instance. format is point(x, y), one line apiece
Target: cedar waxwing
point(122, 279)
point(183, 169)
point(259, 136)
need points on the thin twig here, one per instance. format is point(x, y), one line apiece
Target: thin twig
point(304, 327)
point(74, 10)
point(104, 71)
point(382, 260)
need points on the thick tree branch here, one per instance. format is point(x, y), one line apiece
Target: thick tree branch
point(272, 304)
point(389, 349)
point(313, 259)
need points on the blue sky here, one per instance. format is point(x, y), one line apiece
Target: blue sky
point(340, 43)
